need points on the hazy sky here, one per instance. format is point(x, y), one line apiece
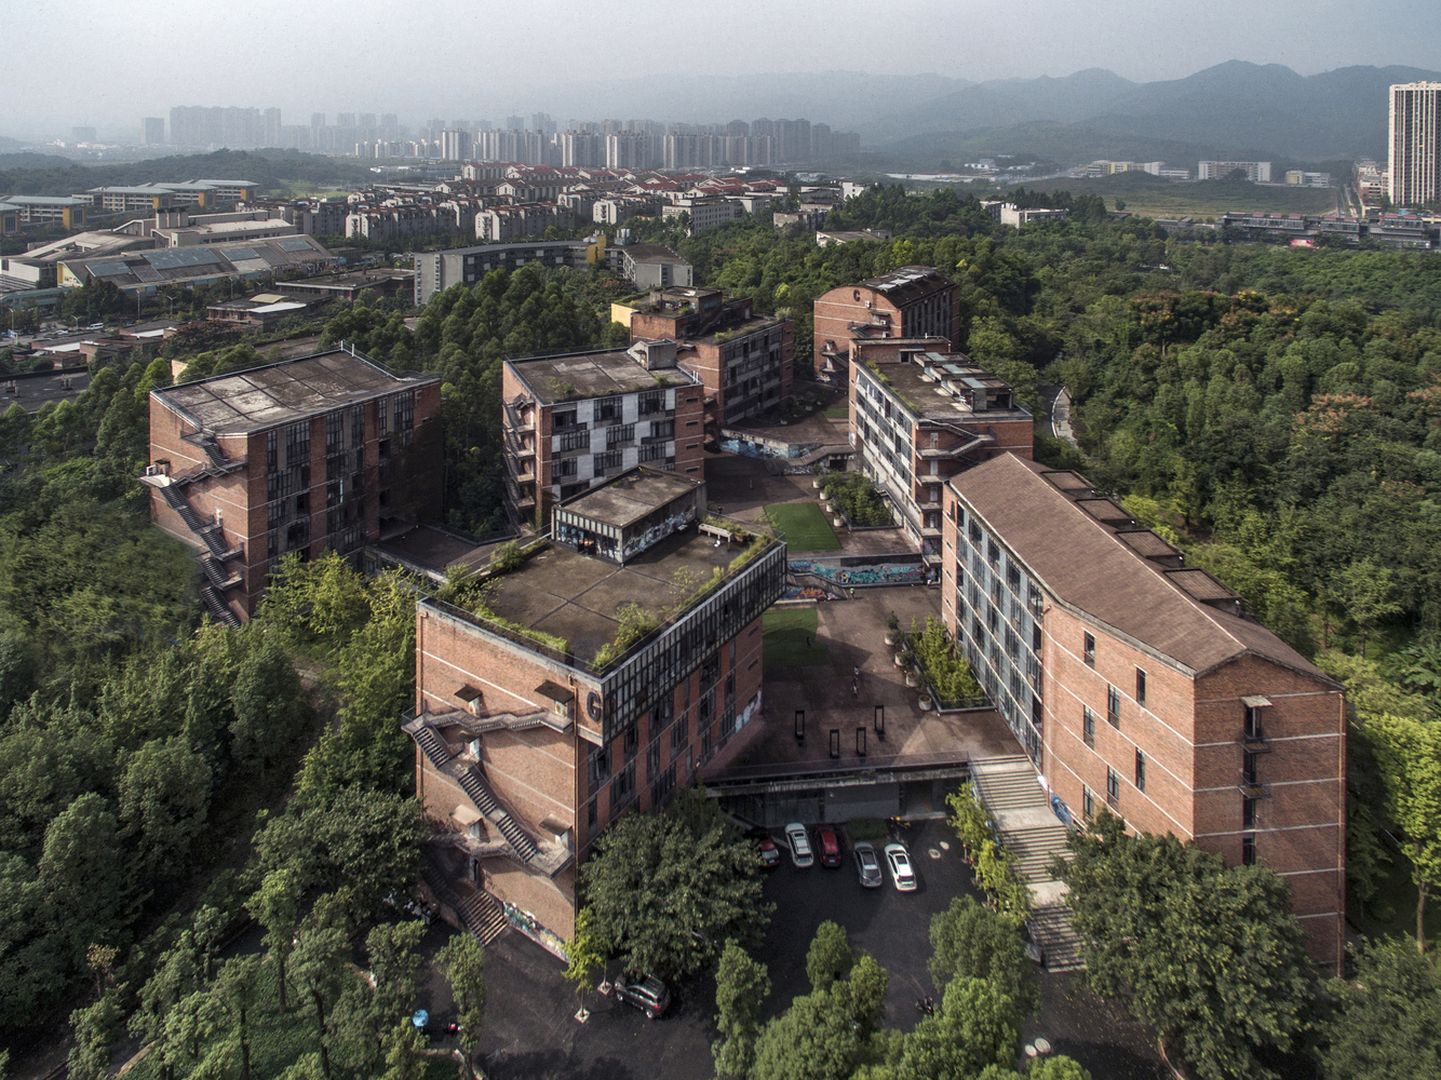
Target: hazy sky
point(109, 63)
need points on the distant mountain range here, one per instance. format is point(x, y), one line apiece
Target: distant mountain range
point(1237, 109)
point(1233, 109)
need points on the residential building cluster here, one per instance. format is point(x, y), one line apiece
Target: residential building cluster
point(642, 144)
point(1130, 679)
point(500, 203)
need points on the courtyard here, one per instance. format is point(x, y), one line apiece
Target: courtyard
point(813, 673)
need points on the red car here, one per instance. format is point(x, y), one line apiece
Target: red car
point(770, 854)
point(828, 845)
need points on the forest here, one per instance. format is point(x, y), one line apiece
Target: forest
point(1277, 413)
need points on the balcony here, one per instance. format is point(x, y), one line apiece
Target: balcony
point(1252, 788)
point(1254, 741)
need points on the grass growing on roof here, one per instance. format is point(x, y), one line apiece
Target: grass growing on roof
point(788, 638)
point(803, 526)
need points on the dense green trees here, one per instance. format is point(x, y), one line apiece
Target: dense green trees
point(665, 891)
point(742, 986)
point(1385, 1023)
point(1208, 957)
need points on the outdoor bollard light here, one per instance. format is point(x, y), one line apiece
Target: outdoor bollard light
point(835, 742)
point(800, 725)
point(860, 742)
point(880, 722)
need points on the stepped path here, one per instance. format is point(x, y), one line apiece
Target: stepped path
point(1031, 832)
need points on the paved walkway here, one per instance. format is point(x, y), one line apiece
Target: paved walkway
point(1017, 803)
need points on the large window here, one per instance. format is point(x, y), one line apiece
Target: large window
point(1113, 706)
point(1088, 726)
point(1088, 649)
point(1140, 771)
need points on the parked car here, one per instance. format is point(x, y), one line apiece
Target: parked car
point(800, 844)
point(770, 854)
point(902, 873)
point(828, 844)
point(645, 992)
point(868, 867)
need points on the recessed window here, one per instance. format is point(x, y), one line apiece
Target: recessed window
point(1113, 786)
point(1140, 686)
point(1248, 813)
point(1140, 771)
point(1088, 803)
point(1089, 650)
point(1088, 726)
point(1113, 706)
point(1248, 851)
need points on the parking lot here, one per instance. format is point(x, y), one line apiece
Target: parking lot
point(530, 1031)
point(892, 926)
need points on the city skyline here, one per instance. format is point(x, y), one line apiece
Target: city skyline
point(972, 40)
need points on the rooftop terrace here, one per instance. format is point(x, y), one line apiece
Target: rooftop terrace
point(559, 596)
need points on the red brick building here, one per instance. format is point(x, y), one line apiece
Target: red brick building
point(919, 415)
point(1137, 682)
point(536, 724)
point(571, 422)
point(914, 301)
point(323, 452)
point(745, 361)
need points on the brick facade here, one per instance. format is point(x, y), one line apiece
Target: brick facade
point(562, 784)
point(1187, 718)
point(911, 302)
point(386, 476)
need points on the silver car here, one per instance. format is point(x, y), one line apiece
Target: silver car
point(800, 844)
point(902, 873)
point(868, 867)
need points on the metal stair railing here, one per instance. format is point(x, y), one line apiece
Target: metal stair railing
point(474, 785)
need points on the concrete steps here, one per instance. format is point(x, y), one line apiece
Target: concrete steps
point(1017, 804)
point(1060, 944)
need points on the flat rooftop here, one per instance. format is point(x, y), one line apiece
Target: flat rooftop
point(657, 253)
point(631, 496)
point(909, 283)
point(581, 376)
point(923, 393)
point(575, 597)
point(245, 401)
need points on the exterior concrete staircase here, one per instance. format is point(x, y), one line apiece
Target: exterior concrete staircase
point(473, 783)
point(478, 911)
point(212, 559)
point(1029, 830)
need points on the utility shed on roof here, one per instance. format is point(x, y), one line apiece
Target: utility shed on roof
point(624, 517)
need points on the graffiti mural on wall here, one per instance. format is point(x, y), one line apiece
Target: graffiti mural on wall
point(525, 922)
point(753, 449)
point(880, 573)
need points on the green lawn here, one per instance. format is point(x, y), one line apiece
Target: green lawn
point(838, 411)
point(803, 526)
point(788, 638)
